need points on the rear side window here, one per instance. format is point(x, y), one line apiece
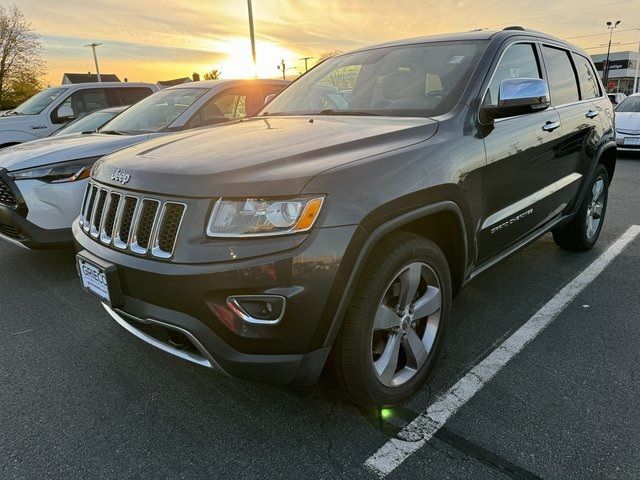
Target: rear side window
point(587, 77)
point(562, 78)
point(518, 61)
point(129, 96)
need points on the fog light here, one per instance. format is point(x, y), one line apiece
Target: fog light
point(258, 309)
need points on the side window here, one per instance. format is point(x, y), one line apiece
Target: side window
point(129, 96)
point(562, 78)
point(589, 87)
point(225, 107)
point(518, 61)
point(79, 104)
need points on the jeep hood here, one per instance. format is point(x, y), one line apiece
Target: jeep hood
point(64, 148)
point(260, 156)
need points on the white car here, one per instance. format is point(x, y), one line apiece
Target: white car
point(53, 107)
point(90, 122)
point(628, 123)
point(42, 182)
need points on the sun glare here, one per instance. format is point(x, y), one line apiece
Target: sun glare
point(239, 64)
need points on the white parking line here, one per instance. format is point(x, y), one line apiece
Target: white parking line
point(422, 428)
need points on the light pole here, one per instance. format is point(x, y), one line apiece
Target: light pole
point(95, 58)
point(611, 26)
point(253, 37)
point(306, 64)
point(635, 78)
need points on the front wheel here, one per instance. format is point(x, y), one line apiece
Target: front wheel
point(396, 322)
point(582, 232)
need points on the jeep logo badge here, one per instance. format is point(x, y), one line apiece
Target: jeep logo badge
point(120, 176)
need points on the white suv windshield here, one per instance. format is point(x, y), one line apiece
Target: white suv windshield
point(629, 104)
point(409, 80)
point(39, 101)
point(154, 113)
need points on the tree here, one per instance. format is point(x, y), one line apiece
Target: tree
point(329, 54)
point(213, 74)
point(21, 65)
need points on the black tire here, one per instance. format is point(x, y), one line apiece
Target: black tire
point(575, 236)
point(353, 352)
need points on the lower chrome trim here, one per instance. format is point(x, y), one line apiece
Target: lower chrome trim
point(206, 360)
point(526, 202)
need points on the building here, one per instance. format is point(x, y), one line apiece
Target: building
point(623, 67)
point(174, 82)
point(68, 78)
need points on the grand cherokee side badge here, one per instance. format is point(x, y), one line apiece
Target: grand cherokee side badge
point(120, 176)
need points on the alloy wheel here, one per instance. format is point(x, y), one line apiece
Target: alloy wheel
point(596, 207)
point(406, 324)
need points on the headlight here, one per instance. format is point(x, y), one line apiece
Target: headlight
point(57, 172)
point(260, 217)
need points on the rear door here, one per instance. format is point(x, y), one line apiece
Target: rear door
point(579, 118)
point(520, 176)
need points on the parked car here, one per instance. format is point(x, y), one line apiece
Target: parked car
point(616, 98)
point(339, 223)
point(628, 123)
point(42, 182)
point(90, 122)
point(53, 107)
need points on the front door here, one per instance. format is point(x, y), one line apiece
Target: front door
point(522, 151)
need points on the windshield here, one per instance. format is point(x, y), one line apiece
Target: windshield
point(414, 80)
point(39, 101)
point(87, 124)
point(154, 113)
point(629, 104)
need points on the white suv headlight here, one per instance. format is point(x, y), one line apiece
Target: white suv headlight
point(260, 217)
point(62, 172)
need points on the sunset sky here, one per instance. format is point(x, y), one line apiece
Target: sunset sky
point(150, 40)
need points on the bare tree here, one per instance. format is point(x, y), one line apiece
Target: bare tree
point(213, 74)
point(21, 65)
point(329, 54)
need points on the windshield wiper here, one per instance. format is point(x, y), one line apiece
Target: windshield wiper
point(276, 114)
point(329, 111)
point(112, 132)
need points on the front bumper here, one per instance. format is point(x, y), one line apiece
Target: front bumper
point(15, 224)
point(622, 140)
point(191, 299)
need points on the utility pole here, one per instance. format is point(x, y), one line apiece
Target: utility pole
point(95, 58)
point(253, 37)
point(611, 26)
point(306, 65)
point(283, 67)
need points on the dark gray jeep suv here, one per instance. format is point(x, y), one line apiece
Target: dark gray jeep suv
point(336, 227)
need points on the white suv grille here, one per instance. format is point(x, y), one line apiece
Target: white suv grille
point(125, 221)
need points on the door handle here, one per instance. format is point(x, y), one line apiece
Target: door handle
point(592, 113)
point(550, 126)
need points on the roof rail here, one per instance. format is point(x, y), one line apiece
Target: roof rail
point(515, 27)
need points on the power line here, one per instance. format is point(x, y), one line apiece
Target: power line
point(598, 34)
point(615, 44)
point(561, 13)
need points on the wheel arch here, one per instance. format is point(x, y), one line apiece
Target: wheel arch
point(426, 221)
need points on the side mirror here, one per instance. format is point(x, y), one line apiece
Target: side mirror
point(270, 97)
point(65, 113)
point(518, 96)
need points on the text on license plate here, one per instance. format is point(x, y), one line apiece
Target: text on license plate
point(94, 279)
point(632, 141)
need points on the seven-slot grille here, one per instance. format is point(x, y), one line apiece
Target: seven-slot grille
point(125, 221)
point(6, 195)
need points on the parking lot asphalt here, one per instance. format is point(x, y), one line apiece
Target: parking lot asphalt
point(81, 398)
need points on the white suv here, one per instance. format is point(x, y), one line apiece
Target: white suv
point(50, 109)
